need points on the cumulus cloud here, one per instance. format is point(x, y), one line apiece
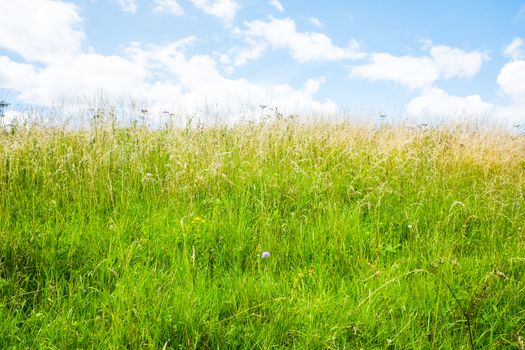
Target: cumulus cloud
point(417, 72)
point(223, 9)
point(79, 75)
point(312, 85)
point(192, 80)
point(168, 6)
point(444, 62)
point(50, 64)
point(413, 72)
point(253, 52)
point(511, 79)
point(164, 75)
point(240, 55)
point(316, 22)
point(40, 30)
point(515, 49)
point(456, 63)
point(303, 46)
point(128, 5)
point(511, 113)
point(15, 75)
point(436, 103)
point(277, 5)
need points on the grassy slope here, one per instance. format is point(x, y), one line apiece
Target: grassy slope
point(148, 239)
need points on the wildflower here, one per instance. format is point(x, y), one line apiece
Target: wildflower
point(198, 220)
point(265, 255)
point(410, 226)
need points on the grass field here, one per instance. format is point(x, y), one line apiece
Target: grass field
point(378, 238)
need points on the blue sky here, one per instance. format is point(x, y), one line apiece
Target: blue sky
point(413, 59)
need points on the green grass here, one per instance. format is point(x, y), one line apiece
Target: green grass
point(379, 238)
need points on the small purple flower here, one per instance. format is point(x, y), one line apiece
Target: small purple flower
point(265, 255)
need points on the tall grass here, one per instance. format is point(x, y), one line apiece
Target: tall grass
point(135, 238)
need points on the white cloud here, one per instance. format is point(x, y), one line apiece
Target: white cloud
point(436, 103)
point(192, 81)
point(312, 85)
point(443, 62)
point(512, 79)
point(512, 113)
point(168, 6)
point(418, 72)
point(127, 5)
point(277, 5)
point(40, 30)
point(223, 9)
point(413, 72)
point(514, 50)
point(316, 22)
point(79, 75)
point(453, 62)
point(162, 75)
point(239, 56)
point(254, 51)
point(303, 46)
point(14, 75)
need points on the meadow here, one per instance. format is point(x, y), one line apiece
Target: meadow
point(379, 237)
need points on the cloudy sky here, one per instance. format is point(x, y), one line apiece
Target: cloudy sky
point(413, 58)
